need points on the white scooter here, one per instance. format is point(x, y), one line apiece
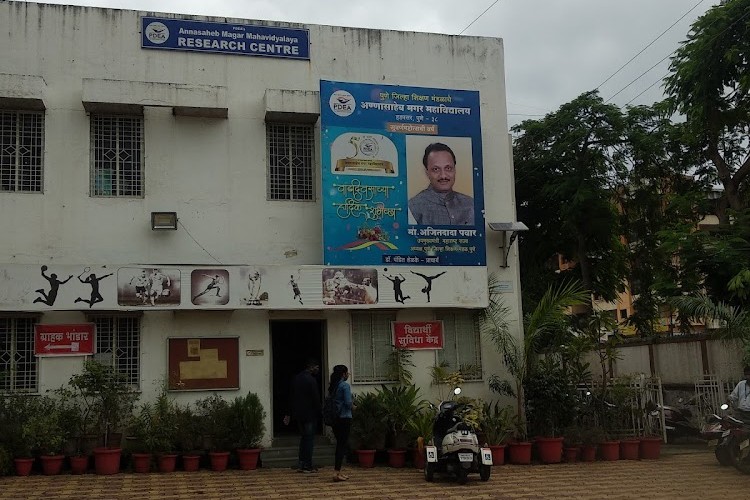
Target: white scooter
point(454, 448)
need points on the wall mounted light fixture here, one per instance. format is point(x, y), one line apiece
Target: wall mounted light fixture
point(163, 221)
point(508, 233)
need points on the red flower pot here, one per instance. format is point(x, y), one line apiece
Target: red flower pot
point(609, 450)
point(419, 458)
point(79, 464)
point(219, 460)
point(167, 462)
point(588, 453)
point(630, 449)
point(366, 458)
point(396, 458)
point(248, 458)
point(141, 462)
point(571, 454)
point(23, 466)
point(107, 461)
point(650, 448)
point(191, 463)
point(520, 453)
point(52, 464)
point(550, 449)
point(498, 454)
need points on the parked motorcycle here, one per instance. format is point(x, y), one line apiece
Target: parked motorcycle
point(738, 442)
point(678, 422)
point(454, 448)
point(717, 432)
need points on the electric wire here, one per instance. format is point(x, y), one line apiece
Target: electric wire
point(477, 18)
point(196, 242)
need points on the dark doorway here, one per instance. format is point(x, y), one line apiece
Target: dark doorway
point(293, 342)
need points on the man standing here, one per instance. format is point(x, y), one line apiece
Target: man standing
point(305, 408)
point(439, 204)
point(740, 396)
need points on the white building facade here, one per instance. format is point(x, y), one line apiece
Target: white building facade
point(107, 138)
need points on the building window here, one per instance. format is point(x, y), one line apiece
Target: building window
point(21, 151)
point(623, 314)
point(372, 343)
point(118, 340)
point(18, 365)
point(290, 161)
point(116, 156)
point(461, 343)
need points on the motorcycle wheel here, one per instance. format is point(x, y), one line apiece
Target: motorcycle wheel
point(484, 472)
point(724, 454)
point(429, 472)
point(462, 475)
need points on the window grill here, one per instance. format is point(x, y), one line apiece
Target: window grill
point(116, 156)
point(461, 343)
point(21, 151)
point(118, 341)
point(372, 343)
point(18, 363)
point(291, 150)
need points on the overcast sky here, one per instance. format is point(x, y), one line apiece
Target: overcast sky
point(554, 49)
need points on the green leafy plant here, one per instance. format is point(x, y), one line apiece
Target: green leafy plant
point(44, 428)
point(154, 425)
point(188, 432)
point(15, 411)
point(497, 424)
point(369, 423)
point(398, 365)
point(248, 421)
point(215, 414)
point(420, 425)
point(400, 404)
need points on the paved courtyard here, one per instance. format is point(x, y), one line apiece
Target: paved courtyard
point(675, 476)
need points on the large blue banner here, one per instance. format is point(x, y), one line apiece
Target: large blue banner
point(226, 38)
point(402, 176)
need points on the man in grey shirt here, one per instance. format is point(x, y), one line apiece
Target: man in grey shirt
point(439, 204)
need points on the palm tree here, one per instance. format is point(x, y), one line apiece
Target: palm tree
point(734, 321)
point(548, 317)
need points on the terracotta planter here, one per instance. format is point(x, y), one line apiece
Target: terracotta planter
point(167, 462)
point(396, 458)
point(248, 458)
point(52, 464)
point(79, 464)
point(520, 453)
point(650, 448)
point(550, 449)
point(419, 458)
point(588, 453)
point(498, 454)
point(191, 463)
point(609, 450)
point(141, 462)
point(107, 461)
point(366, 458)
point(571, 454)
point(23, 466)
point(219, 460)
point(630, 449)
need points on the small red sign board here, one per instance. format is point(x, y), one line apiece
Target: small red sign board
point(64, 340)
point(417, 334)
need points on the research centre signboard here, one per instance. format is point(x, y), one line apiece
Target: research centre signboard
point(224, 38)
point(402, 175)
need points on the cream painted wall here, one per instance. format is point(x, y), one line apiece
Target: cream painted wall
point(213, 171)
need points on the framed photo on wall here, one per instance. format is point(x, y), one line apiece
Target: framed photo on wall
point(201, 363)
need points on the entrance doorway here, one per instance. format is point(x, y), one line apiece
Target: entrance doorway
point(293, 342)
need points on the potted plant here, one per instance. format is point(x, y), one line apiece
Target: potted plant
point(188, 434)
point(77, 418)
point(420, 432)
point(368, 427)
point(650, 446)
point(590, 439)
point(572, 440)
point(15, 410)
point(111, 400)
point(248, 420)
point(400, 403)
point(215, 415)
point(497, 427)
point(47, 434)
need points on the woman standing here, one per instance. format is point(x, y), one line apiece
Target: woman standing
point(341, 393)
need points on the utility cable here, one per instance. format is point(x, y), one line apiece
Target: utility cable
point(196, 242)
point(650, 44)
point(477, 18)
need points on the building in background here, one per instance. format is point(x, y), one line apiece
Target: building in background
point(210, 201)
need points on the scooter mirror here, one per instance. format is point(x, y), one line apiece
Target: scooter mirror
point(457, 391)
point(724, 406)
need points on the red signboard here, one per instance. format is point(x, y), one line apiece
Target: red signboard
point(64, 340)
point(418, 334)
